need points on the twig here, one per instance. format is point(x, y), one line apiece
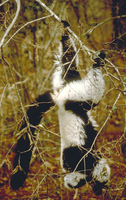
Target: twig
point(35, 20)
point(49, 74)
point(12, 23)
point(4, 2)
point(115, 69)
point(109, 74)
point(105, 120)
point(71, 62)
point(50, 11)
point(7, 80)
point(53, 34)
point(103, 22)
point(89, 51)
point(31, 139)
point(38, 186)
point(2, 99)
point(46, 48)
point(18, 83)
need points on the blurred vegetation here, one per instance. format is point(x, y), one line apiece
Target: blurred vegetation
point(26, 66)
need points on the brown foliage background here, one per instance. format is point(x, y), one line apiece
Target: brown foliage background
point(26, 65)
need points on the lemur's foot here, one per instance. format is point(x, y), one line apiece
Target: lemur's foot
point(74, 180)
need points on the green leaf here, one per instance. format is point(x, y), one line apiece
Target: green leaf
point(114, 108)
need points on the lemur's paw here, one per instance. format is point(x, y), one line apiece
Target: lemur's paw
point(101, 172)
point(100, 176)
point(97, 188)
point(74, 180)
point(99, 59)
point(65, 23)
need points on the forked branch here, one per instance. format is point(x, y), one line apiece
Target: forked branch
point(12, 23)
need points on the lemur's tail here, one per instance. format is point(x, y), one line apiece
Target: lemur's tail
point(24, 145)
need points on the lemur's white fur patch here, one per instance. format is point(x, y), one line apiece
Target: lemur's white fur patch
point(57, 80)
point(101, 171)
point(90, 88)
point(72, 127)
point(71, 130)
point(72, 179)
point(92, 120)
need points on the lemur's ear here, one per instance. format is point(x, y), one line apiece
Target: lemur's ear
point(65, 23)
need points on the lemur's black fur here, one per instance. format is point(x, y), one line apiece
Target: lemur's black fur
point(70, 72)
point(23, 148)
point(74, 103)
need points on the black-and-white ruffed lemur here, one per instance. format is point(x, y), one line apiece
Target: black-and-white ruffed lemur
point(75, 97)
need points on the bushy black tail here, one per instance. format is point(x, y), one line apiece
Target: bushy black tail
point(24, 145)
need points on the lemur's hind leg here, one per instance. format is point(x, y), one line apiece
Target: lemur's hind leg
point(24, 145)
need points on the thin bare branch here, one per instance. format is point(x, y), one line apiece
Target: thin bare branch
point(50, 11)
point(19, 98)
point(54, 32)
point(12, 23)
point(89, 51)
point(89, 32)
point(4, 2)
point(35, 20)
point(2, 100)
point(38, 186)
point(47, 46)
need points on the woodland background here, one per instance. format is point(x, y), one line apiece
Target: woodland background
point(26, 65)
